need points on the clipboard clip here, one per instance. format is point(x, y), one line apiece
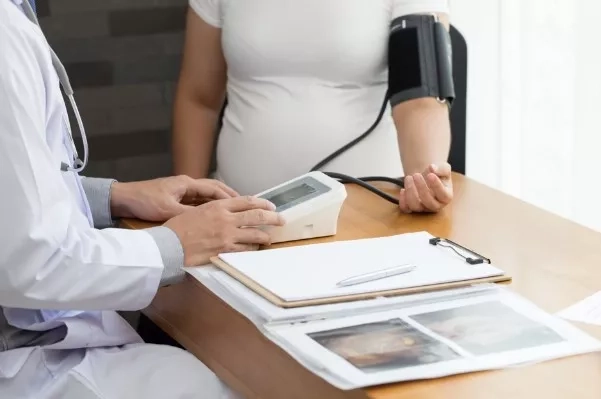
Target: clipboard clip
point(443, 242)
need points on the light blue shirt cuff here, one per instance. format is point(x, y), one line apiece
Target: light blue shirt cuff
point(98, 193)
point(172, 254)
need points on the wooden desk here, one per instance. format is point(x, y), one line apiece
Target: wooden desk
point(553, 262)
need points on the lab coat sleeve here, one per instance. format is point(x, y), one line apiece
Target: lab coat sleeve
point(50, 257)
point(98, 193)
point(172, 254)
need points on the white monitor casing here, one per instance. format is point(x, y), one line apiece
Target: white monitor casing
point(314, 214)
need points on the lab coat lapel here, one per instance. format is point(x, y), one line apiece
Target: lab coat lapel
point(84, 329)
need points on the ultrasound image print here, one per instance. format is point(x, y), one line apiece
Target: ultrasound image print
point(384, 346)
point(486, 328)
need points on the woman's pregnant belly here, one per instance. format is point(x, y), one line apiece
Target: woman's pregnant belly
point(272, 133)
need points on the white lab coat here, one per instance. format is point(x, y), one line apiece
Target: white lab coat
point(52, 260)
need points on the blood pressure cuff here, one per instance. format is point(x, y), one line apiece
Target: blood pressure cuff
point(419, 60)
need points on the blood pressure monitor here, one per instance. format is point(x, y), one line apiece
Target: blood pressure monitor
point(310, 205)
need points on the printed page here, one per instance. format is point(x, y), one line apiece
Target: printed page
point(273, 313)
point(313, 271)
point(586, 311)
point(431, 341)
point(259, 310)
point(205, 275)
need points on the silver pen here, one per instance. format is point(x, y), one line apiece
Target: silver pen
point(389, 272)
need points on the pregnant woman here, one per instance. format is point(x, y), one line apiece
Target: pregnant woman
point(302, 79)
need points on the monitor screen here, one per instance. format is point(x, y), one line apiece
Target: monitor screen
point(292, 194)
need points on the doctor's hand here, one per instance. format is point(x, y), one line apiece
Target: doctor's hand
point(161, 199)
point(229, 225)
point(429, 191)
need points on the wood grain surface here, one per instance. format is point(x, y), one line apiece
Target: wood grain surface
point(553, 262)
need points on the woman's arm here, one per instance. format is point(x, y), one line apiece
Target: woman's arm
point(199, 98)
point(423, 128)
point(424, 134)
point(424, 138)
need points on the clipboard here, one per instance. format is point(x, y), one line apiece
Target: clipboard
point(471, 258)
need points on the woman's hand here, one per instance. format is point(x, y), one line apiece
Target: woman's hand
point(429, 191)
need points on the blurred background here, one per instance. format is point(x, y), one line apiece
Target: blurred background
point(123, 60)
point(532, 101)
point(533, 127)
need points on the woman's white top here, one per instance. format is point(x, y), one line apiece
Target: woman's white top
point(305, 77)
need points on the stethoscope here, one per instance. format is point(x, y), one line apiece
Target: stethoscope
point(78, 164)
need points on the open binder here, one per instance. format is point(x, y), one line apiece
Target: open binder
point(260, 271)
point(407, 337)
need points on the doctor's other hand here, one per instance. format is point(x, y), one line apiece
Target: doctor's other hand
point(429, 191)
point(160, 199)
point(229, 225)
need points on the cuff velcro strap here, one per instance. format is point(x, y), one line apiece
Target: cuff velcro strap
point(419, 60)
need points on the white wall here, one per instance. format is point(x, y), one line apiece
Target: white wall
point(534, 85)
point(482, 36)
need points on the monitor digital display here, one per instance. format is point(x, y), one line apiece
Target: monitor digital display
point(292, 194)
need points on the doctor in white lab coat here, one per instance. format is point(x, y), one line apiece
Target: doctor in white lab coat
point(65, 270)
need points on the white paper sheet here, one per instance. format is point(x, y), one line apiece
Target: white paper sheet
point(312, 271)
point(431, 341)
point(586, 311)
point(259, 310)
point(294, 339)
